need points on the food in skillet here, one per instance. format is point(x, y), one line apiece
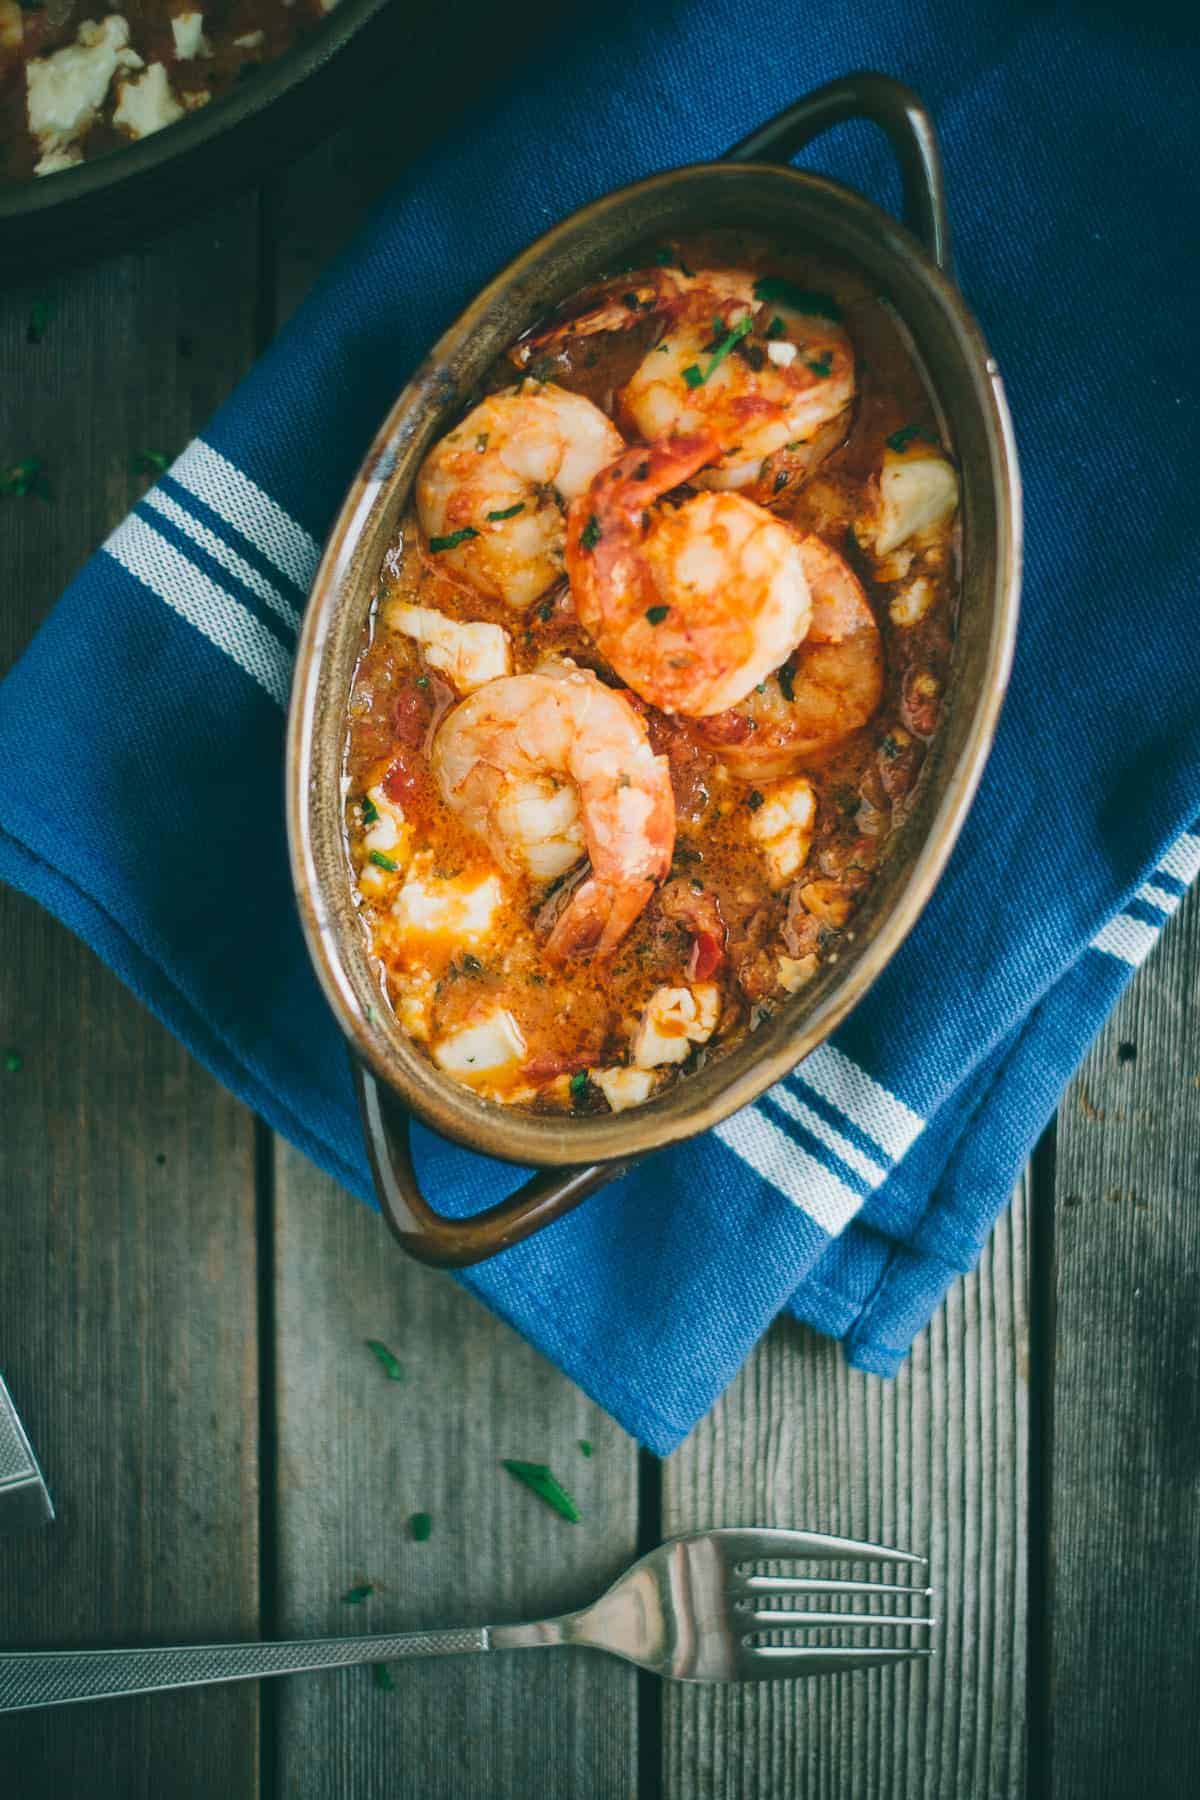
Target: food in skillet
point(76, 81)
point(656, 659)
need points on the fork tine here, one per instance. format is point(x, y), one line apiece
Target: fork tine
point(811, 1584)
point(776, 1545)
point(777, 1661)
point(768, 1619)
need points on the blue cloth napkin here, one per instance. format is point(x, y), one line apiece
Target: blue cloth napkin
point(141, 734)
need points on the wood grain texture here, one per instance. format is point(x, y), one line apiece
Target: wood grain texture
point(127, 1264)
point(1124, 1547)
point(358, 1454)
point(934, 1461)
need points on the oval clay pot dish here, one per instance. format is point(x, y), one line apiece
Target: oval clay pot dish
point(574, 1156)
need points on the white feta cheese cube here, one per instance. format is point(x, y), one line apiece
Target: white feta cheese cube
point(783, 828)
point(624, 1087)
point(781, 352)
point(188, 31)
point(64, 92)
point(251, 40)
point(910, 605)
point(484, 1048)
point(918, 490)
point(675, 1018)
point(54, 160)
point(468, 655)
point(431, 905)
point(146, 103)
point(794, 971)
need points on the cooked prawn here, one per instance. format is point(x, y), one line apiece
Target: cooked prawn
point(692, 605)
point(763, 365)
point(547, 765)
point(828, 688)
point(491, 493)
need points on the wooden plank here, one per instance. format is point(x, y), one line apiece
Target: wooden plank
point(1123, 1651)
point(127, 1268)
point(933, 1461)
point(358, 1454)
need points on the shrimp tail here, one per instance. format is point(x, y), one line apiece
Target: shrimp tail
point(596, 918)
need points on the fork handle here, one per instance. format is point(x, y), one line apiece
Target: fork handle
point(33, 1678)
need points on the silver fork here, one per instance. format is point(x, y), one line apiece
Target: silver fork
point(695, 1609)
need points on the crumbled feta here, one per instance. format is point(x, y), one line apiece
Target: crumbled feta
point(910, 605)
point(827, 901)
point(188, 31)
point(251, 40)
point(449, 907)
point(147, 103)
point(794, 971)
point(469, 655)
point(674, 1020)
point(391, 833)
point(781, 352)
point(415, 1009)
point(918, 490)
point(624, 1087)
point(492, 1043)
point(54, 160)
point(783, 828)
point(64, 92)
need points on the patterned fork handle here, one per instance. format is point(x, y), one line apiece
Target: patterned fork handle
point(34, 1678)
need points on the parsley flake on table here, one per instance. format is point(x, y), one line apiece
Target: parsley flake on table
point(14, 1062)
point(383, 1677)
point(801, 300)
point(453, 539)
point(585, 1446)
point(421, 1524)
point(356, 1595)
point(149, 462)
point(387, 1362)
point(40, 315)
point(25, 477)
point(539, 1479)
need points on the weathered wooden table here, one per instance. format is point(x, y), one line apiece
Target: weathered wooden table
point(183, 1304)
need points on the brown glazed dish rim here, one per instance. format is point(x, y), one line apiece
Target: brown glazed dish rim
point(345, 578)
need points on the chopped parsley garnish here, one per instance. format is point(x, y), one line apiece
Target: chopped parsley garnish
point(40, 315)
point(538, 1477)
point(356, 1595)
point(421, 1524)
point(370, 811)
point(454, 539)
point(579, 1081)
point(383, 862)
point(889, 748)
point(383, 1677)
point(694, 376)
point(385, 1359)
point(786, 677)
point(656, 614)
point(14, 1062)
point(821, 366)
point(25, 477)
point(900, 440)
point(754, 799)
point(509, 512)
point(585, 1446)
point(776, 328)
point(149, 462)
point(781, 480)
point(421, 681)
point(472, 964)
point(589, 537)
point(545, 612)
point(801, 300)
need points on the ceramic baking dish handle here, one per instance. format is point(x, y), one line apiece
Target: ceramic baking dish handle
point(899, 114)
point(456, 1243)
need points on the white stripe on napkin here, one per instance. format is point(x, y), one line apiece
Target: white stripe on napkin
point(250, 510)
point(1129, 939)
point(220, 551)
point(1182, 860)
point(223, 620)
point(817, 1127)
point(1158, 897)
point(894, 1126)
point(797, 1175)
